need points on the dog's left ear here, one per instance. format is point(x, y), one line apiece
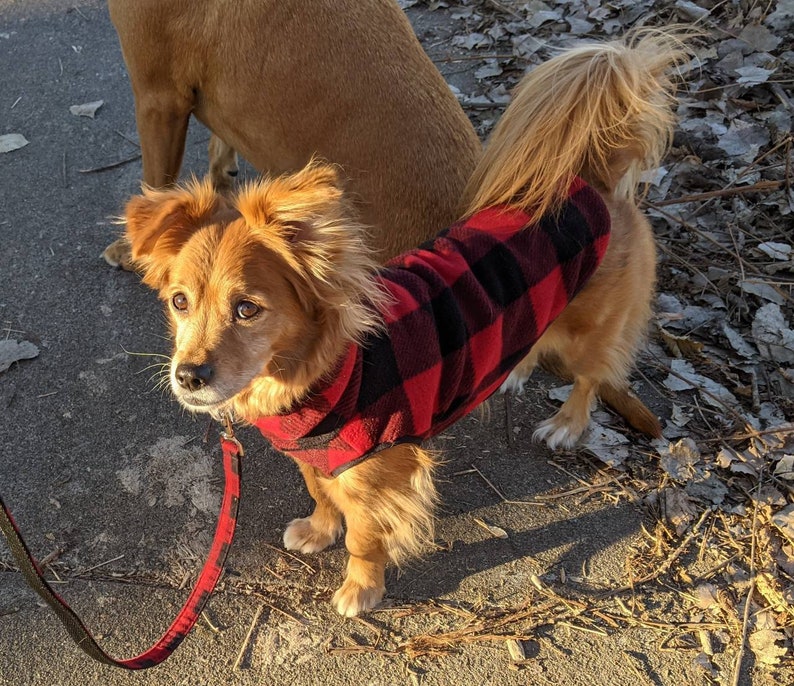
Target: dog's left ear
point(159, 222)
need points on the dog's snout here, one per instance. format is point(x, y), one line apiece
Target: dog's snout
point(193, 377)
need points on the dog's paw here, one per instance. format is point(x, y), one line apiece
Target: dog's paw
point(559, 432)
point(514, 383)
point(302, 536)
point(119, 254)
point(352, 599)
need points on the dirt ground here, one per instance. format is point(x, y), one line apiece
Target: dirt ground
point(625, 562)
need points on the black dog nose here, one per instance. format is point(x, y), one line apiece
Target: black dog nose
point(193, 377)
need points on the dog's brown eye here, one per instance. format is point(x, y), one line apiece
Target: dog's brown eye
point(246, 309)
point(179, 301)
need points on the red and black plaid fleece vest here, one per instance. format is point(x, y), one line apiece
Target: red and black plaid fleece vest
point(467, 307)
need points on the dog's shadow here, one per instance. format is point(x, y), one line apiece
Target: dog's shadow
point(570, 536)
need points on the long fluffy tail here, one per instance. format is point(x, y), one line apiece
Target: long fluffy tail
point(601, 111)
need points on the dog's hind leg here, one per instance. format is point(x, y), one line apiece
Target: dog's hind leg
point(514, 383)
point(320, 529)
point(223, 164)
point(564, 428)
point(162, 129)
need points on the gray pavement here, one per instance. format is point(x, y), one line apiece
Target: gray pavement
point(115, 484)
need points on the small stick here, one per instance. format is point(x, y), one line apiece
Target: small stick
point(214, 629)
point(486, 480)
point(597, 632)
point(54, 555)
point(101, 564)
point(501, 495)
point(297, 559)
point(247, 639)
point(128, 139)
point(300, 619)
point(716, 568)
point(275, 574)
point(737, 668)
point(509, 418)
point(721, 193)
point(110, 166)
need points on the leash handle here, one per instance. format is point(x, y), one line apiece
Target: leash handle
point(205, 584)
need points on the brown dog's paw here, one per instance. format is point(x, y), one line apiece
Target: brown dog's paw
point(224, 166)
point(303, 536)
point(352, 599)
point(118, 254)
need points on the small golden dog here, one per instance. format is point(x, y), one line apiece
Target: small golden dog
point(283, 81)
point(272, 298)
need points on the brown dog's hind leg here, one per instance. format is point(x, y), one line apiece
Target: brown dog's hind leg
point(223, 164)
point(162, 129)
point(320, 529)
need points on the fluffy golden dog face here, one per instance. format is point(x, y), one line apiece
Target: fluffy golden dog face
point(236, 317)
point(262, 292)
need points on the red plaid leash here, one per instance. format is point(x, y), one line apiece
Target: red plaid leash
point(207, 580)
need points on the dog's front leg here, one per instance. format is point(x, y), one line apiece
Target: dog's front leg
point(387, 502)
point(365, 580)
point(162, 128)
point(319, 530)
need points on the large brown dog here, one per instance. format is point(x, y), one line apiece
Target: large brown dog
point(282, 81)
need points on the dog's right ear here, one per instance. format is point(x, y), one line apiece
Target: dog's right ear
point(159, 222)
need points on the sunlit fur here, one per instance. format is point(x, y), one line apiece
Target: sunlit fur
point(601, 111)
point(281, 81)
point(291, 246)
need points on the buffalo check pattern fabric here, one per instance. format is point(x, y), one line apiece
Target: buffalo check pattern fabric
point(466, 308)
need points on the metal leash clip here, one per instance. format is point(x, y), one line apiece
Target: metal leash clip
point(228, 432)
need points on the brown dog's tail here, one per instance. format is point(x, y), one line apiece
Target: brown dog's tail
point(601, 111)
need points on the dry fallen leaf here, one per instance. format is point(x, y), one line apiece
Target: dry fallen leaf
point(516, 650)
point(495, 531)
point(681, 346)
point(764, 644)
point(784, 521)
point(775, 340)
point(12, 141)
point(12, 351)
point(609, 446)
point(677, 508)
point(88, 109)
